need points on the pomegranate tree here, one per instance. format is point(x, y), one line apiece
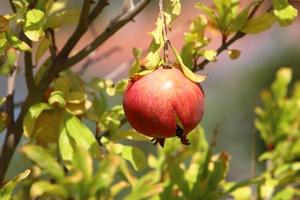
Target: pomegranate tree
point(164, 104)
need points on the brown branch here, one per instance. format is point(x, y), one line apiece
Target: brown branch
point(82, 27)
point(31, 87)
point(8, 145)
point(13, 7)
point(226, 44)
point(12, 140)
point(111, 29)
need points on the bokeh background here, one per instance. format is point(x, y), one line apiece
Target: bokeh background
point(232, 88)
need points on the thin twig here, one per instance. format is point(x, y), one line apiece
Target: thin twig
point(111, 29)
point(79, 31)
point(31, 87)
point(226, 44)
point(12, 5)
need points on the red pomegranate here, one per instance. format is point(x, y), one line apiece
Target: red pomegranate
point(164, 104)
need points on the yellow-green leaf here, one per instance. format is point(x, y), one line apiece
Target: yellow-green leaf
point(186, 71)
point(57, 99)
point(4, 23)
point(135, 156)
point(31, 116)
point(42, 49)
point(210, 55)
point(259, 24)
point(284, 12)
point(43, 159)
point(7, 190)
point(44, 187)
point(34, 22)
point(16, 42)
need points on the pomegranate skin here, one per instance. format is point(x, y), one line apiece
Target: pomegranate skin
point(156, 104)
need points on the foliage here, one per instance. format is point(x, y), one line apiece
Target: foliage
point(73, 128)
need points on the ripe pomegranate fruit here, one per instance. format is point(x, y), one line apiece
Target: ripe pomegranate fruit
point(164, 104)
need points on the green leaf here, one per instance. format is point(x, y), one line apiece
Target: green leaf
point(7, 190)
point(187, 54)
point(234, 53)
point(227, 10)
point(208, 11)
point(3, 43)
point(9, 63)
point(105, 173)
point(81, 134)
point(153, 56)
point(284, 12)
point(83, 161)
point(44, 187)
point(135, 156)
point(177, 177)
point(45, 160)
point(62, 17)
point(76, 97)
point(42, 48)
point(4, 24)
point(280, 85)
point(172, 9)
point(56, 99)
point(241, 19)
point(186, 71)
point(259, 24)
point(16, 42)
point(285, 194)
point(31, 116)
point(195, 35)
point(65, 144)
point(210, 55)
point(34, 22)
point(244, 193)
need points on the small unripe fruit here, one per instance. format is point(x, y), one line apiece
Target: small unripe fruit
point(164, 104)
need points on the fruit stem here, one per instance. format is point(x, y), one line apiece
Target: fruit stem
point(165, 32)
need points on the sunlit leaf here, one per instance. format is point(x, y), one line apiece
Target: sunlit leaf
point(57, 99)
point(31, 116)
point(16, 42)
point(9, 62)
point(172, 9)
point(34, 22)
point(7, 190)
point(4, 24)
point(81, 134)
point(259, 24)
point(135, 156)
point(44, 187)
point(43, 159)
point(42, 48)
point(186, 71)
point(284, 12)
point(210, 55)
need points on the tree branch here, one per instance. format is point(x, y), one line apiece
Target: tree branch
point(112, 28)
point(226, 44)
point(13, 7)
point(8, 145)
point(82, 27)
point(31, 87)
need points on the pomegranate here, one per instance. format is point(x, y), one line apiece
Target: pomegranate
point(164, 104)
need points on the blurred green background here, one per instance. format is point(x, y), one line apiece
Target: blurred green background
point(232, 88)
